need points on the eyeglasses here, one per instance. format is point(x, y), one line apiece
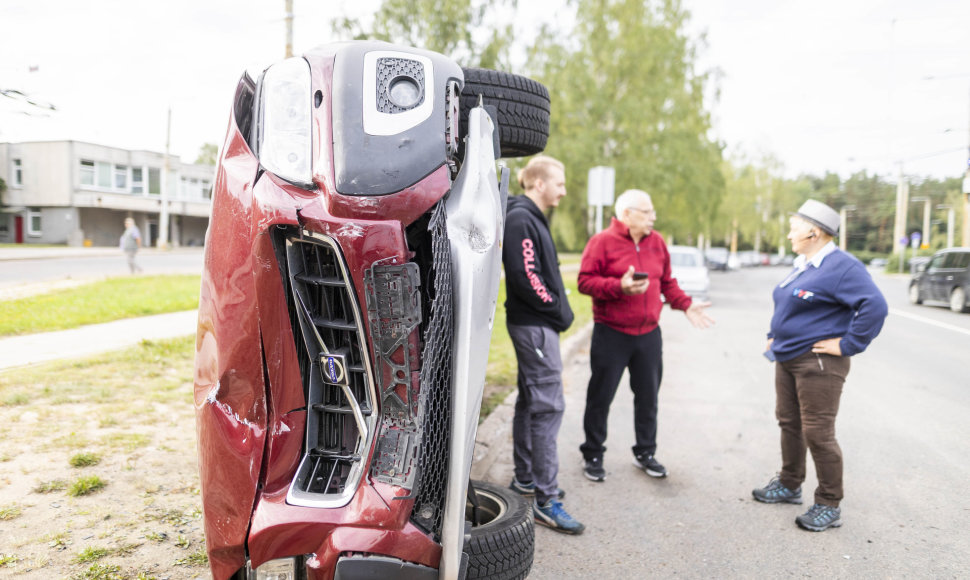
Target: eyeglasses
point(644, 211)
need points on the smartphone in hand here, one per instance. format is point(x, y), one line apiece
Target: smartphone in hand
point(640, 275)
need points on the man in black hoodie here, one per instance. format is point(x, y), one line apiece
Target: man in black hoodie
point(536, 312)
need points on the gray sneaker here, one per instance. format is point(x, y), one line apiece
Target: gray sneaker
point(820, 517)
point(775, 492)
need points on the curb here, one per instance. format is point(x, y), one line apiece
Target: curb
point(495, 432)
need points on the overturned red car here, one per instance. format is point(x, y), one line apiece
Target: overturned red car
point(351, 269)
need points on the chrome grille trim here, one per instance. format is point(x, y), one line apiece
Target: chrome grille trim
point(337, 376)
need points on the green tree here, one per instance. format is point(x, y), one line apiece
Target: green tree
point(452, 28)
point(208, 154)
point(625, 94)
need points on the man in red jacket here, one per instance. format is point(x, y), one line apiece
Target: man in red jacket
point(625, 269)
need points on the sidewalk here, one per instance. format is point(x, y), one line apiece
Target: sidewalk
point(26, 252)
point(17, 351)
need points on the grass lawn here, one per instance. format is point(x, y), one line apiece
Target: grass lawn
point(103, 301)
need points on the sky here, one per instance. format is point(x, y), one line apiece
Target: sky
point(828, 85)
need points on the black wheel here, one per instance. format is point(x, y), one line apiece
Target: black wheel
point(521, 105)
point(502, 541)
point(914, 295)
point(958, 300)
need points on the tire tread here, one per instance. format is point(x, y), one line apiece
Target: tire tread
point(503, 549)
point(522, 104)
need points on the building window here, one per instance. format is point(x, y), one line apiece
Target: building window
point(137, 180)
point(103, 171)
point(154, 180)
point(87, 172)
point(33, 223)
point(194, 188)
point(17, 173)
point(121, 177)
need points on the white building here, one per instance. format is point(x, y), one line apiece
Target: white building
point(76, 193)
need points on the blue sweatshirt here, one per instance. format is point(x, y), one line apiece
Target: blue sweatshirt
point(834, 298)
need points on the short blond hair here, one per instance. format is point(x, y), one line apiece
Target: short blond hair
point(538, 168)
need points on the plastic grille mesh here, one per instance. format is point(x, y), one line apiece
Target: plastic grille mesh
point(387, 70)
point(434, 402)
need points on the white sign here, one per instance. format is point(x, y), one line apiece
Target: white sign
point(599, 186)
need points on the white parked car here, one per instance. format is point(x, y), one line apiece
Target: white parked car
point(688, 267)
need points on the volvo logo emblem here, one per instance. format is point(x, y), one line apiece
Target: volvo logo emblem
point(334, 370)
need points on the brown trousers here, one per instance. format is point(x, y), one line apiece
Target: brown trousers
point(808, 389)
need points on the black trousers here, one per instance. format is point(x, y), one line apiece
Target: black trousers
point(612, 352)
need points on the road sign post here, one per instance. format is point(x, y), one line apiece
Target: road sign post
point(599, 190)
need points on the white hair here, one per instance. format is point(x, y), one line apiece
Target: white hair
point(628, 199)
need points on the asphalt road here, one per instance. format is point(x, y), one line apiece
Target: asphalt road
point(903, 427)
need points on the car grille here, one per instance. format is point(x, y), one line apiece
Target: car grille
point(329, 335)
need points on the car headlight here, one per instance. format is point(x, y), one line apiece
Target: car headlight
point(284, 135)
point(282, 569)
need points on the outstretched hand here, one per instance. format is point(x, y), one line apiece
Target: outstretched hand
point(697, 315)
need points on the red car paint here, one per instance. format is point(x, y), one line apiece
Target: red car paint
point(245, 473)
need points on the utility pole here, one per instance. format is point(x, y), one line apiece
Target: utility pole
point(844, 226)
point(902, 206)
point(162, 242)
point(965, 242)
point(289, 28)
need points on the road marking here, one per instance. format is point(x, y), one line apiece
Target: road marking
point(929, 321)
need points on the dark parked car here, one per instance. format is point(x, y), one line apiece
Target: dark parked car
point(351, 271)
point(717, 258)
point(946, 277)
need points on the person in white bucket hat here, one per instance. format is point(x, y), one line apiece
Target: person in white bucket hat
point(826, 310)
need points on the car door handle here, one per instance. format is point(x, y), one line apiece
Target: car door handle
point(949, 277)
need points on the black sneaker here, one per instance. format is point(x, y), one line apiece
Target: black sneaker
point(775, 492)
point(649, 464)
point(819, 518)
point(593, 469)
point(529, 489)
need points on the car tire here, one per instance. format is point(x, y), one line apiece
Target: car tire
point(502, 545)
point(914, 295)
point(958, 300)
point(521, 106)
